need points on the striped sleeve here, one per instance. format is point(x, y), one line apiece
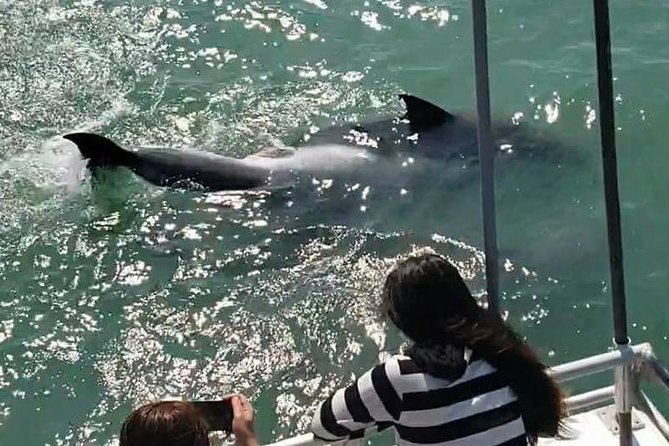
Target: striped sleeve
point(370, 401)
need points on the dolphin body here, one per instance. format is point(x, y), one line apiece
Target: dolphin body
point(426, 131)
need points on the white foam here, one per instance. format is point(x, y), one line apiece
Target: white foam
point(54, 169)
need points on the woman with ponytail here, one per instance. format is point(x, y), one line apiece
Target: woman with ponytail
point(467, 379)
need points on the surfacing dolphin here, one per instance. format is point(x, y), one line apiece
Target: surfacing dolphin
point(425, 131)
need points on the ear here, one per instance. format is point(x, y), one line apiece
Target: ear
point(423, 115)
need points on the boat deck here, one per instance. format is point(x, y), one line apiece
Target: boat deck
point(590, 428)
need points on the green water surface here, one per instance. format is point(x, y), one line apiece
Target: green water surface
point(113, 296)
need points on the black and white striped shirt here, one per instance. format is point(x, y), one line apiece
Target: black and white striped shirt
point(478, 409)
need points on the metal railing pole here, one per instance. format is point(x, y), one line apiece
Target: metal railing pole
point(486, 154)
point(599, 363)
point(607, 132)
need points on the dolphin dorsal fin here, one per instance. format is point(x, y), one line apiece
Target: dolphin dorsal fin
point(424, 115)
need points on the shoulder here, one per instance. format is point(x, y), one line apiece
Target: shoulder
point(478, 368)
point(405, 376)
point(398, 365)
point(392, 371)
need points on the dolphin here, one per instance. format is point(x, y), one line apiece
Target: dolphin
point(425, 131)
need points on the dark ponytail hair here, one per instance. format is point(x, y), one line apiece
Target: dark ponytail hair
point(427, 299)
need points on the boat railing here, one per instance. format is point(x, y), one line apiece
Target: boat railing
point(632, 364)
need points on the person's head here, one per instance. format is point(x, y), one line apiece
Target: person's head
point(427, 299)
point(166, 423)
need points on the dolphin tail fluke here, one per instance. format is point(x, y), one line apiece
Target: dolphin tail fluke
point(100, 152)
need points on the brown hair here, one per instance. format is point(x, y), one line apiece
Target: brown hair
point(427, 299)
point(167, 423)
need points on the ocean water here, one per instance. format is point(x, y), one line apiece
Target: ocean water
point(116, 295)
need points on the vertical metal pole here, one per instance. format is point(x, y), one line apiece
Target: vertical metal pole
point(624, 384)
point(486, 153)
point(607, 132)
